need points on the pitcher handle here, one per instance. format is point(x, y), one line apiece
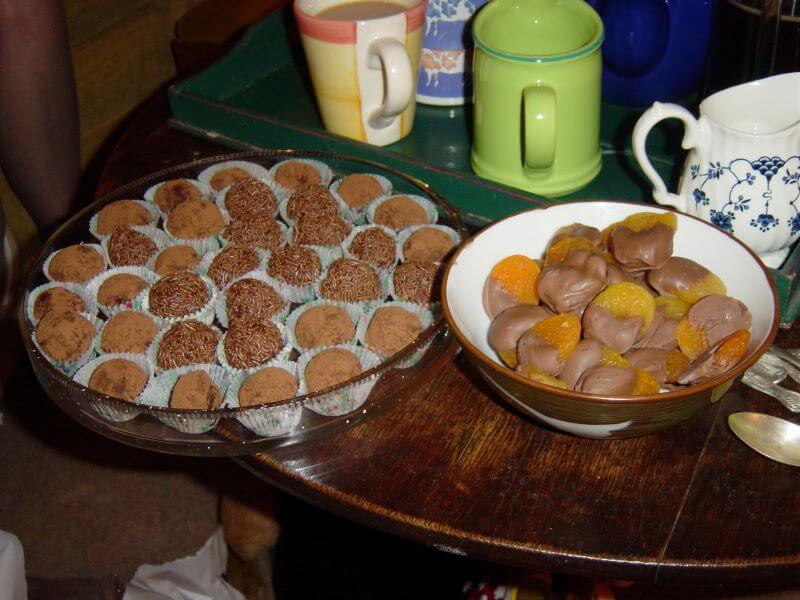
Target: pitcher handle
point(391, 56)
point(539, 127)
point(691, 139)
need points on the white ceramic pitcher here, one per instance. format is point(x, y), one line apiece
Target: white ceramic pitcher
point(743, 169)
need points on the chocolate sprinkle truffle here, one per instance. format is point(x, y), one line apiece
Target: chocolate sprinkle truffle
point(252, 298)
point(118, 378)
point(315, 199)
point(121, 215)
point(271, 384)
point(225, 177)
point(175, 192)
point(259, 232)
point(64, 335)
point(78, 264)
point(251, 342)
point(174, 259)
point(128, 331)
point(195, 390)
point(127, 247)
point(428, 244)
point(414, 282)
point(295, 175)
point(331, 367)
point(359, 189)
point(57, 298)
point(374, 246)
point(400, 212)
point(232, 262)
point(187, 342)
point(119, 289)
point(350, 281)
point(194, 219)
point(321, 230)
point(296, 265)
point(391, 329)
point(248, 197)
point(178, 295)
point(325, 325)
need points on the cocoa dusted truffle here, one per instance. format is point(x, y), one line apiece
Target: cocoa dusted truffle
point(232, 262)
point(187, 342)
point(260, 231)
point(646, 249)
point(325, 325)
point(331, 367)
point(391, 329)
point(174, 259)
point(359, 189)
point(416, 282)
point(507, 327)
point(295, 265)
point(571, 285)
point(174, 192)
point(350, 280)
point(251, 342)
point(128, 331)
point(77, 264)
point(118, 378)
point(225, 177)
point(587, 354)
point(57, 298)
point(121, 215)
point(618, 332)
point(271, 384)
point(248, 197)
point(374, 246)
point(428, 244)
point(296, 175)
point(253, 298)
point(321, 229)
point(64, 335)
point(195, 390)
point(127, 247)
point(194, 219)
point(120, 289)
point(399, 212)
point(314, 199)
point(607, 380)
point(178, 295)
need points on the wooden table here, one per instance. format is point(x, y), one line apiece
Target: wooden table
point(455, 468)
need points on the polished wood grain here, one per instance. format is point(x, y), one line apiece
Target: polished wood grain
point(455, 468)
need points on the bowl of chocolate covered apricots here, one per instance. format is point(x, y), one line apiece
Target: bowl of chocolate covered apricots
point(607, 319)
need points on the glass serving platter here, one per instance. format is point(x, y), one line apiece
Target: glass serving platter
point(154, 428)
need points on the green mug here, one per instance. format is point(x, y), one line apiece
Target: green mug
point(537, 72)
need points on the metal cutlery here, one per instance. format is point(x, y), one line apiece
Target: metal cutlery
point(772, 437)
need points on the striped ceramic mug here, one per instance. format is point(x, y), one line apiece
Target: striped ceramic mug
point(364, 70)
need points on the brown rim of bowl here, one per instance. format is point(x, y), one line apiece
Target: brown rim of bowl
point(599, 398)
point(425, 336)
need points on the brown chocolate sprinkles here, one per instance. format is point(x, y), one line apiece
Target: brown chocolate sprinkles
point(251, 342)
point(178, 295)
point(350, 281)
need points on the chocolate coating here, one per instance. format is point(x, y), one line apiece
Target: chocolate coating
point(507, 327)
point(577, 230)
point(533, 351)
point(496, 299)
point(652, 360)
point(646, 249)
point(587, 354)
point(571, 285)
point(677, 273)
point(609, 381)
point(719, 317)
point(661, 334)
point(704, 367)
point(619, 333)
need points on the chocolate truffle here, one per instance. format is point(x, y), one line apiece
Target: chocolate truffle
point(121, 215)
point(358, 190)
point(325, 325)
point(719, 317)
point(428, 244)
point(252, 298)
point(248, 197)
point(321, 229)
point(331, 367)
point(120, 289)
point(507, 327)
point(587, 354)
point(251, 342)
point(260, 231)
point(127, 247)
point(271, 384)
point(128, 331)
point(618, 332)
point(118, 378)
point(577, 230)
point(645, 249)
point(350, 280)
point(195, 390)
point(295, 265)
point(416, 282)
point(391, 329)
point(232, 262)
point(187, 342)
point(374, 246)
point(296, 175)
point(572, 284)
point(609, 381)
point(533, 351)
point(174, 259)
point(399, 212)
point(64, 335)
point(78, 264)
point(57, 298)
point(174, 192)
point(178, 295)
point(315, 199)
point(194, 219)
point(225, 177)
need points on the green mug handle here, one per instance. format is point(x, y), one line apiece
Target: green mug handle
point(539, 127)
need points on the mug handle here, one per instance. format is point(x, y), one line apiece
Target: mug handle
point(539, 127)
point(390, 55)
point(691, 139)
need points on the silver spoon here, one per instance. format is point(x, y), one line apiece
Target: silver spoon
point(774, 372)
point(772, 437)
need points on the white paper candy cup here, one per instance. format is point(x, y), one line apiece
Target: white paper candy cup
point(356, 230)
point(208, 260)
point(425, 316)
point(70, 367)
point(349, 398)
point(170, 243)
point(79, 290)
point(151, 208)
point(284, 237)
point(267, 420)
point(221, 195)
point(221, 307)
point(406, 233)
point(46, 266)
point(427, 205)
point(119, 410)
point(383, 276)
point(205, 314)
point(325, 174)
point(150, 194)
point(98, 344)
point(304, 293)
point(94, 285)
point(282, 354)
point(354, 312)
point(159, 391)
point(152, 351)
point(358, 215)
point(159, 238)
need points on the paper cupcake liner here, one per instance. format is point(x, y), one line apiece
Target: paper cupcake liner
point(114, 411)
point(152, 350)
point(70, 367)
point(359, 229)
point(347, 399)
point(220, 196)
point(46, 265)
point(425, 315)
point(158, 236)
point(283, 353)
point(283, 210)
point(393, 295)
point(406, 233)
point(284, 237)
point(151, 208)
point(358, 215)
point(353, 310)
point(76, 288)
point(93, 288)
point(99, 337)
point(150, 194)
point(256, 170)
point(159, 391)
point(170, 243)
point(299, 294)
point(205, 314)
point(221, 307)
point(325, 174)
point(267, 420)
point(385, 279)
point(427, 205)
point(208, 259)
